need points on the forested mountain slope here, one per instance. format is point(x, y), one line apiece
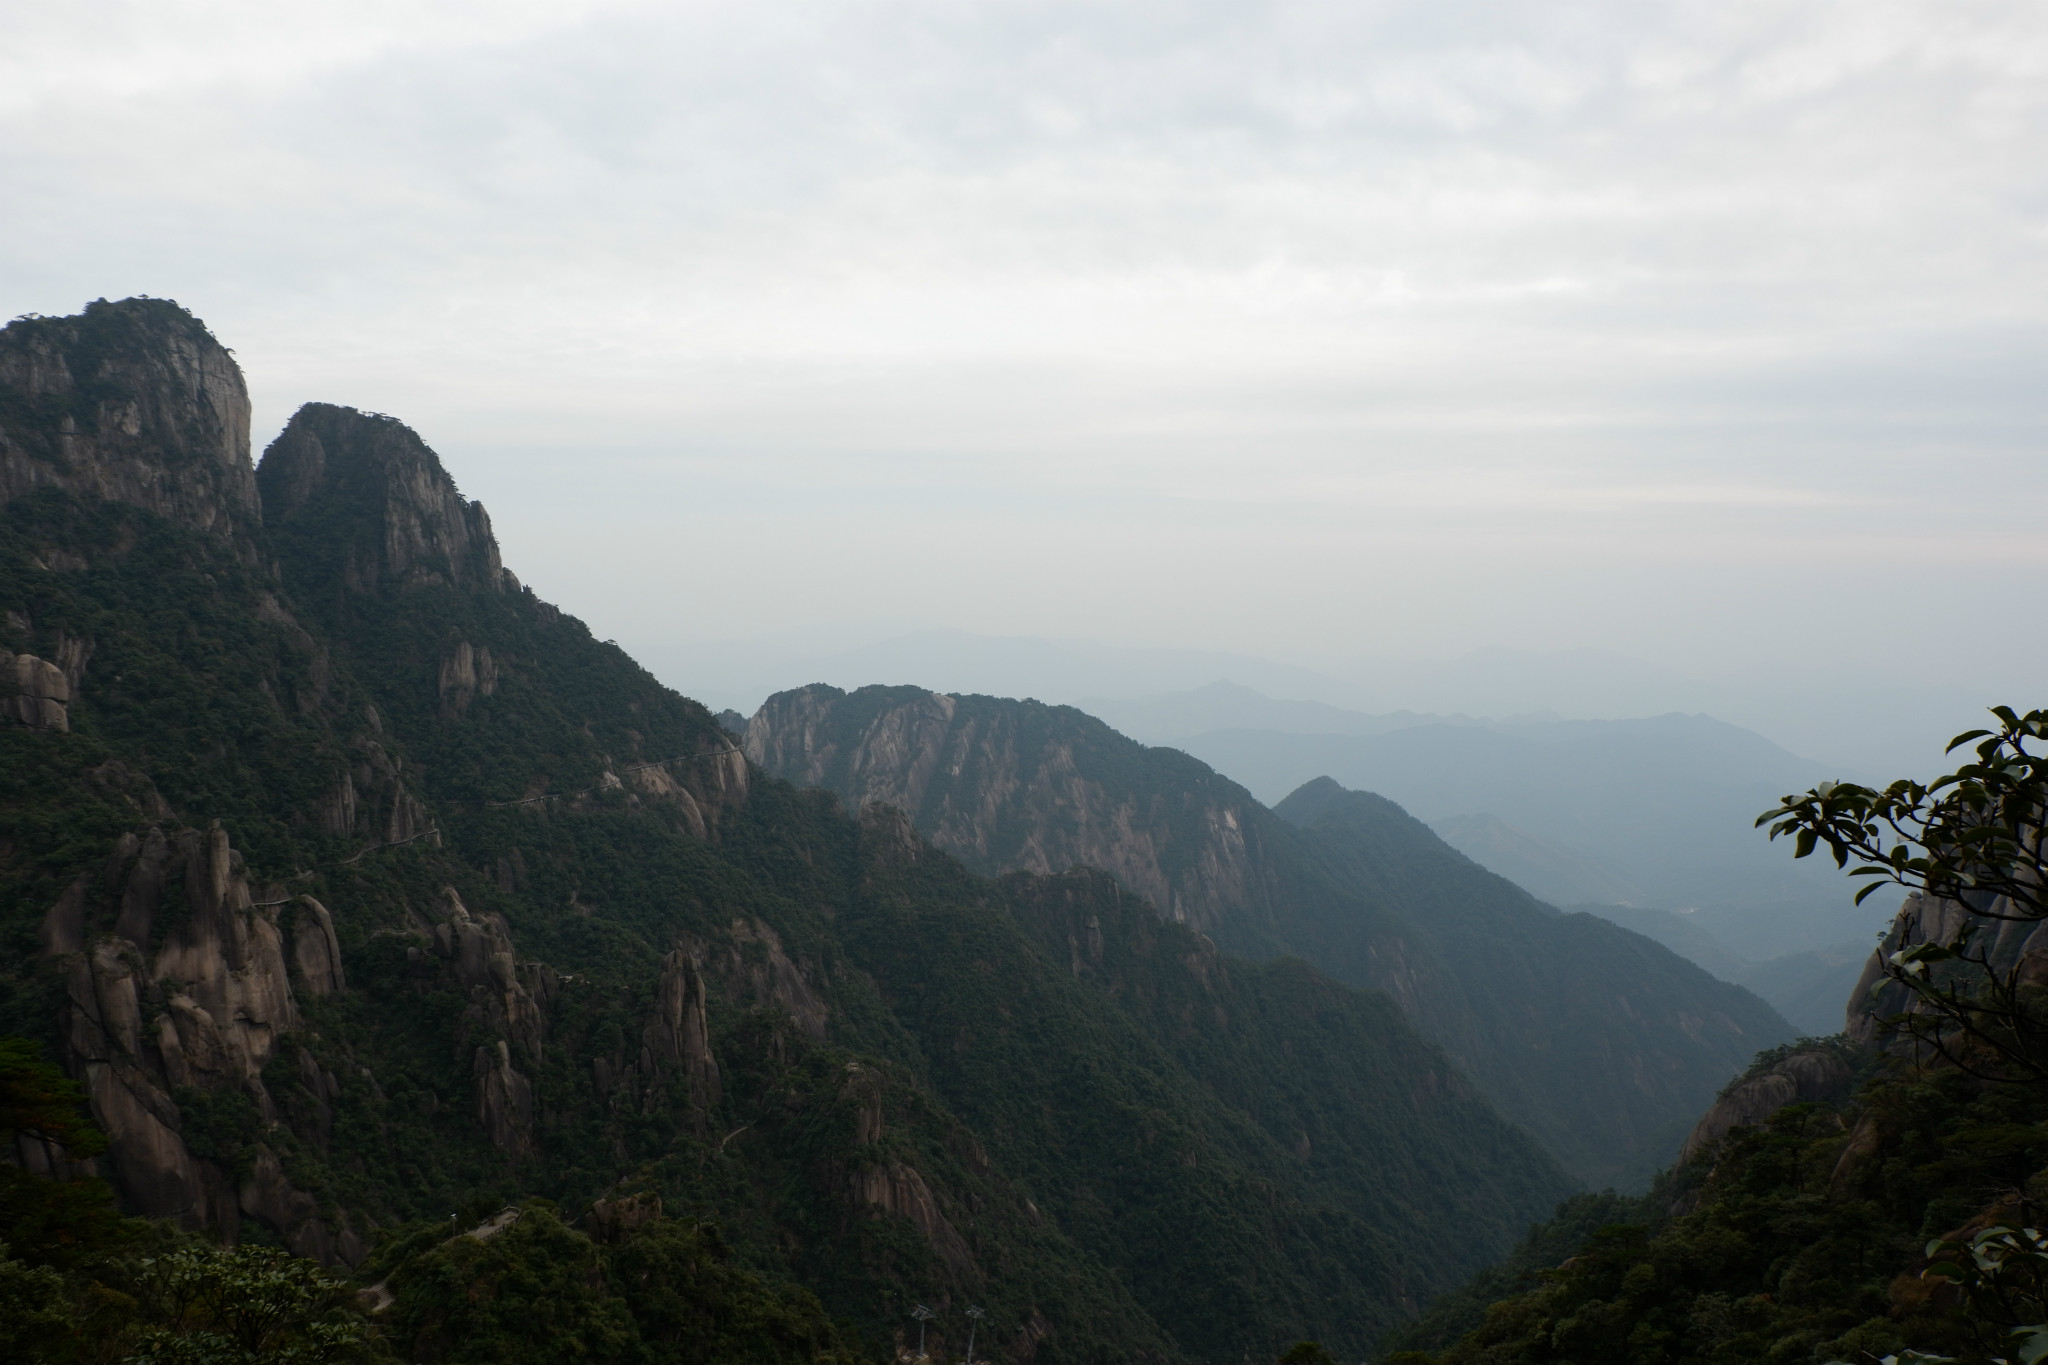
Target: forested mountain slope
point(1604, 1044)
point(1822, 1211)
point(363, 889)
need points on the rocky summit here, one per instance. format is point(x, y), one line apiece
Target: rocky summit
point(385, 916)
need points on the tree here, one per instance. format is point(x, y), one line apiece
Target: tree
point(51, 1221)
point(32, 1308)
point(1975, 837)
point(36, 1098)
point(245, 1306)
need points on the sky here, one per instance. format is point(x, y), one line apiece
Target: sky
point(1710, 335)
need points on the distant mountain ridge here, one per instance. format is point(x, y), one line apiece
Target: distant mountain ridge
point(1546, 870)
point(362, 889)
point(1666, 804)
point(1345, 880)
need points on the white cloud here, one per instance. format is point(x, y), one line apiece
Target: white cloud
point(1475, 292)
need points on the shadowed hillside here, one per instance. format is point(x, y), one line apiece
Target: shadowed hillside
point(1601, 1042)
point(362, 889)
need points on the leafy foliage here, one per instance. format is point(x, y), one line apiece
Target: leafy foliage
point(1901, 1224)
point(37, 1098)
point(231, 1305)
point(954, 1116)
point(538, 1291)
point(1974, 837)
point(1802, 1242)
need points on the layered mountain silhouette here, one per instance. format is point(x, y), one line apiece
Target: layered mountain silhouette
point(1602, 1043)
point(362, 888)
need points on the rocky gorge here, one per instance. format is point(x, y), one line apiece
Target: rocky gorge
point(360, 888)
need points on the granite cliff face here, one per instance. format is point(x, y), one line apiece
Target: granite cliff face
point(1811, 1075)
point(2011, 946)
point(179, 983)
point(133, 402)
point(383, 509)
point(359, 885)
point(1003, 788)
point(1603, 1043)
point(34, 692)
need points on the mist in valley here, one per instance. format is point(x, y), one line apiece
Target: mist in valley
point(1295, 541)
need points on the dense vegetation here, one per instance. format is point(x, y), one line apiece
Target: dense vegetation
point(1550, 986)
point(1900, 1223)
point(1800, 1241)
point(1146, 1151)
point(1603, 1044)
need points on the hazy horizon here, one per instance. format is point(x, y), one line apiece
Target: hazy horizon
point(1708, 339)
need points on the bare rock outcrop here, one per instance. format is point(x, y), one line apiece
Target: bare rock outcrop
point(34, 692)
point(753, 967)
point(506, 998)
point(206, 1010)
point(367, 797)
point(133, 402)
point(507, 1009)
point(703, 786)
point(269, 1198)
point(383, 497)
point(615, 1219)
point(1808, 1076)
point(2011, 945)
point(229, 956)
point(897, 1189)
point(128, 1095)
point(678, 1034)
point(315, 950)
point(504, 1100)
point(1002, 787)
point(466, 673)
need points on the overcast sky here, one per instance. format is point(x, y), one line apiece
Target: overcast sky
point(1709, 333)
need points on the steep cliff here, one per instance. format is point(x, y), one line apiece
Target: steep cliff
point(133, 402)
point(1604, 1044)
point(1024, 788)
point(361, 502)
point(361, 886)
point(2009, 946)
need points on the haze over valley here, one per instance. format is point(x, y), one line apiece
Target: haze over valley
point(894, 683)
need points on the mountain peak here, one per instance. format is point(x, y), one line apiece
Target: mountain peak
point(1306, 803)
point(132, 401)
point(383, 504)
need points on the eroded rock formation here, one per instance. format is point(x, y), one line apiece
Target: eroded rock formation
point(133, 402)
point(678, 1036)
point(34, 692)
point(894, 1188)
point(384, 497)
point(990, 784)
point(204, 1011)
point(466, 673)
point(1810, 1076)
point(2011, 946)
point(752, 967)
